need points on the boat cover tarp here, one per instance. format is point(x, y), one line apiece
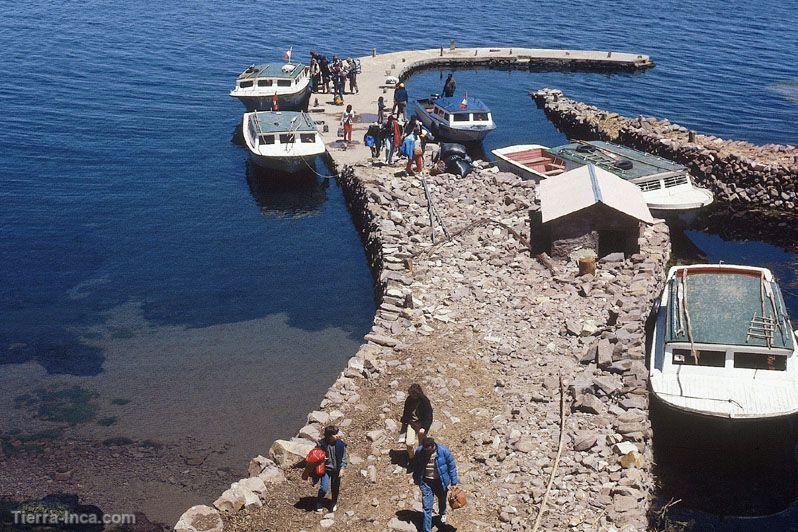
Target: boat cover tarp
point(453, 104)
point(273, 70)
point(721, 307)
point(284, 121)
point(642, 163)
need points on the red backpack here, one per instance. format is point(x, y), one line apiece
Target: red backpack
point(316, 461)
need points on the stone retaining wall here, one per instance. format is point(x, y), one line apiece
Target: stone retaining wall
point(739, 173)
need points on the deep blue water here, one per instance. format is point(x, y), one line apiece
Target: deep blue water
point(119, 182)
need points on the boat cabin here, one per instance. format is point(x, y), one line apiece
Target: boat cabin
point(647, 171)
point(459, 112)
point(273, 76)
point(270, 129)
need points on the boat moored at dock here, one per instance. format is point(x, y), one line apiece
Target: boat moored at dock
point(260, 86)
point(723, 345)
point(667, 187)
point(464, 120)
point(285, 141)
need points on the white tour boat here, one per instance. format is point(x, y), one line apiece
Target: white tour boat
point(259, 86)
point(286, 141)
point(723, 344)
point(465, 120)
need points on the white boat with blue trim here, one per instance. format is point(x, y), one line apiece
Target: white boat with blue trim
point(286, 141)
point(260, 87)
point(464, 120)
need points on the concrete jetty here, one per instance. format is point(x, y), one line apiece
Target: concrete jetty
point(376, 68)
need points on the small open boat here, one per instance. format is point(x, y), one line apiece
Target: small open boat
point(723, 344)
point(528, 161)
point(286, 141)
point(464, 120)
point(259, 85)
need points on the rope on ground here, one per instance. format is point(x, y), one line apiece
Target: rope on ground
point(545, 500)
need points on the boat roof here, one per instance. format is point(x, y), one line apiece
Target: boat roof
point(273, 70)
point(284, 121)
point(453, 105)
point(643, 164)
point(725, 307)
point(585, 186)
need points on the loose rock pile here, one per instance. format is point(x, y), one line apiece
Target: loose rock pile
point(488, 331)
point(737, 172)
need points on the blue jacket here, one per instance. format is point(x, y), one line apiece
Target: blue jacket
point(340, 456)
point(444, 462)
point(400, 95)
point(408, 146)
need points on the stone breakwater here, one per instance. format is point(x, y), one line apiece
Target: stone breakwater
point(488, 331)
point(739, 173)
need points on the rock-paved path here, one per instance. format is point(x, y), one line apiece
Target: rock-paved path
point(487, 331)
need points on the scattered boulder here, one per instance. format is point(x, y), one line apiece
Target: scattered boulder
point(200, 519)
point(286, 453)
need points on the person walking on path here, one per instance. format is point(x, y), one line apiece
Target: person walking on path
point(347, 119)
point(324, 67)
point(416, 418)
point(335, 450)
point(380, 110)
point(434, 471)
point(399, 100)
point(410, 147)
point(392, 137)
point(449, 87)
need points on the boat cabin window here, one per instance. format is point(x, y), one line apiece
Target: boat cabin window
point(283, 82)
point(445, 116)
point(461, 117)
point(265, 83)
point(287, 138)
point(715, 359)
point(267, 139)
point(307, 138)
point(245, 84)
point(648, 186)
point(672, 181)
point(480, 117)
point(760, 361)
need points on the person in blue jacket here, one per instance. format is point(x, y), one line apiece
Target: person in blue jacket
point(434, 471)
point(399, 100)
point(335, 449)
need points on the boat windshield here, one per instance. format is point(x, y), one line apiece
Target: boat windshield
point(265, 82)
point(287, 138)
point(481, 117)
point(461, 117)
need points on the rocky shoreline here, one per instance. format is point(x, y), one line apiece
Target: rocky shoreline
point(488, 331)
point(739, 173)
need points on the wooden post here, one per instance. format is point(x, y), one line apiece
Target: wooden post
point(691, 136)
point(373, 52)
point(587, 265)
point(451, 45)
point(441, 51)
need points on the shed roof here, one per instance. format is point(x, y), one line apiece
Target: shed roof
point(588, 185)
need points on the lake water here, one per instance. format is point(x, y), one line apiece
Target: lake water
point(207, 307)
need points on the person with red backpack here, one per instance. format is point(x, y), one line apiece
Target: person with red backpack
point(334, 464)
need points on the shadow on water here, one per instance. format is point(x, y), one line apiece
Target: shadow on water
point(62, 353)
point(292, 195)
point(738, 475)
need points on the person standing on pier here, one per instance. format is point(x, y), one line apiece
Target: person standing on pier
point(335, 462)
point(434, 471)
point(380, 110)
point(449, 87)
point(347, 119)
point(392, 137)
point(352, 75)
point(324, 66)
point(399, 100)
point(416, 419)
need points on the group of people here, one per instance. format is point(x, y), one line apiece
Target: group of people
point(323, 72)
point(431, 463)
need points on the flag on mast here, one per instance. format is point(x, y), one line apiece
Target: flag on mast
point(287, 54)
point(464, 103)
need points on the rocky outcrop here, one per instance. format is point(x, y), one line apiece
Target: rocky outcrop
point(739, 173)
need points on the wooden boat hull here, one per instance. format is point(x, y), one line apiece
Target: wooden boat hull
point(288, 165)
point(297, 101)
point(528, 161)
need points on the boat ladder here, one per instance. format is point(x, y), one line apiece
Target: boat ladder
point(761, 327)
